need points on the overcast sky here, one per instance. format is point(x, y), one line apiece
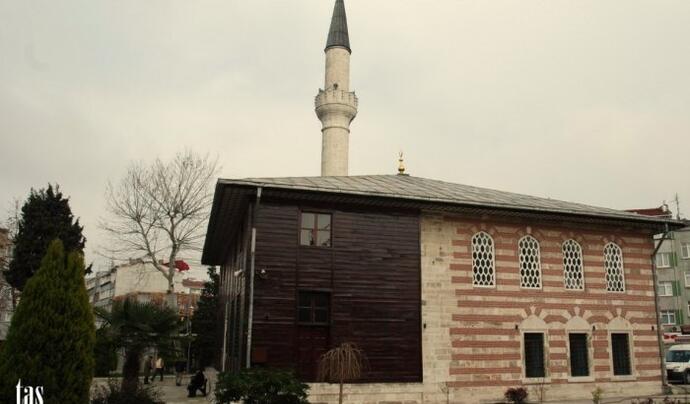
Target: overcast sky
point(582, 100)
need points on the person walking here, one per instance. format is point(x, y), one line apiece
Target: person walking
point(147, 369)
point(180, 366)
point(160, 365)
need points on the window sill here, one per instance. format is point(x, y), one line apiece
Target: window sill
point(484, 286)
point(581, 379)
point(629, 378)
point(536, 380)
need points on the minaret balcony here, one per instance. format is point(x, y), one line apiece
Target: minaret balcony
point(334, 96)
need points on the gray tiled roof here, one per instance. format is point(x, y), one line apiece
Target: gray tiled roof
point(338, 33)
point(434, 191)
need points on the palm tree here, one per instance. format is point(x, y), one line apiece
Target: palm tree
point(342, 364)
point(135, 327)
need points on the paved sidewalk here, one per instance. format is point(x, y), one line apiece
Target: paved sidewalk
point(172, 394)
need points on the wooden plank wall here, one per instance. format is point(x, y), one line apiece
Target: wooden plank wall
point(373, 274)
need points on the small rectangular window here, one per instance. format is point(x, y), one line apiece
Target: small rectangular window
point(315, 229)
point(663, 260)
point(665, 288)
point(579, 355)
point(314, 308)
point(668, 317)
point(687, 279)
point(685, 250)
point(621, 354)
point(534, 354)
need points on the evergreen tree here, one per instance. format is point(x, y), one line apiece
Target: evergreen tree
point(105, 353)
point(50, 342)
point(45, 216)
point(205, 322)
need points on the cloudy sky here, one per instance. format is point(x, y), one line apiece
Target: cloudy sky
point(580, 100)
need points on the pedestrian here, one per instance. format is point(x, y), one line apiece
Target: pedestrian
point(180, 366)
point(160, 365)
point(147, 369)
point(198, 382)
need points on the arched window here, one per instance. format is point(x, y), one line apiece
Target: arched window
point(613, 265)
point(573, 274)
point(530, 263)
point(483, 267)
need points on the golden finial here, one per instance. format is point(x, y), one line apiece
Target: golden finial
point(401, 167)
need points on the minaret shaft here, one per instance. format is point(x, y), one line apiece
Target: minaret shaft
point(336, 106)
point(337, 68)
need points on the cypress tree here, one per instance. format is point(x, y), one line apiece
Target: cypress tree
point(50, 342)
point(205, 323)
point(45, 216)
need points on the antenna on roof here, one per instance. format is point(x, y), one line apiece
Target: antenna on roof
point(401, 165)
point(677, 202)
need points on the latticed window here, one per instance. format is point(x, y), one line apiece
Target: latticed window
point(530, 263)
point(483, 267)
point(613, 265)
point(573, 275)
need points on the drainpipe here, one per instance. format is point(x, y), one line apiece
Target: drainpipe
point(660, 335)
point(252, 261)
point(227, 291)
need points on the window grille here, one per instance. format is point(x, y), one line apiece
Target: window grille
point(313, 308)
point(483, 266)
point(573, 274)
point(530, 265)
point(579, 355)
point(534, 354)
point(613, 264)
point(621, 354)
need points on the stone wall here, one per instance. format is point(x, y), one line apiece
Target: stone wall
point(471, 337)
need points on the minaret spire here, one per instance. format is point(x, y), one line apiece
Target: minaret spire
point(336, 106)
point(338, 34)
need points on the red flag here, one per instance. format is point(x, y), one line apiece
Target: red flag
point(180, 265)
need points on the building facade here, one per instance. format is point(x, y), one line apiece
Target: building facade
point(673, 269)
point(454, 293)
point(6, 291)
point(142, 281)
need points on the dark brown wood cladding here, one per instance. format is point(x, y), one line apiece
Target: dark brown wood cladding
point(372, 272)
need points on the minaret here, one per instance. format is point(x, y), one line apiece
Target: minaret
point(336, 106)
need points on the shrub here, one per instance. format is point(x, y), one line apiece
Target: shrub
point(113, 394)
point(596, 395)
point(516, 395)
point(50, 342)
point(261, 386)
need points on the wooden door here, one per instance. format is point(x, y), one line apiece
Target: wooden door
point(313, 342)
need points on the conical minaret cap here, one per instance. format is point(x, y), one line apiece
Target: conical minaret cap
point(338, 34)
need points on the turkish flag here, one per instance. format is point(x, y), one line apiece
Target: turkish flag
point(180, 265)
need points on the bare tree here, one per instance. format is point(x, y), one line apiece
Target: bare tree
point(160, 210)
point(343, 363)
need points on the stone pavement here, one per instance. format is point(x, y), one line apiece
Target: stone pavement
point(172, 394)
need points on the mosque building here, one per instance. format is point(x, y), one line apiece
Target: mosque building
point(453, 292)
